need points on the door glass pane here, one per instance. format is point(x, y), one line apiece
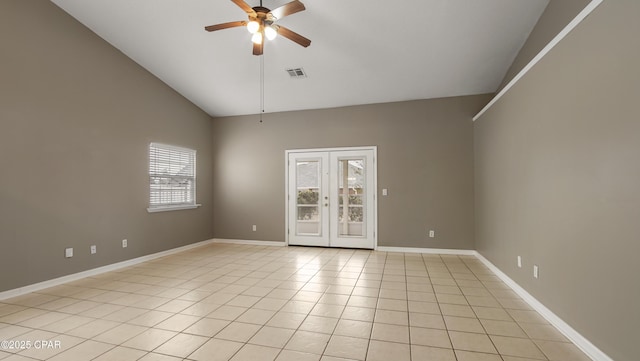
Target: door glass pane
point(308, 219)
point(351, 188)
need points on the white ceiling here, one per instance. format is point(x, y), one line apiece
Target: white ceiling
point(362, 51)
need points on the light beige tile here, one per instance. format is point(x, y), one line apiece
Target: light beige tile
point(503, 328)
point(289, 355)
point(359, 313)
point(121, 354)
point(287, 320)
point(391, 333)
point(476, 356)
point(250, 352)
point(150, 318)
point(61, 343)
point(120, 333)
point(43, 319)
point(385, 351)
point(93, 328)
point(392, 304)
point(228, 313)
point(519, 347)
point(392, 317)
point(543, 332)
point(476, 342)
point(327, 310)
point(347, 347)
point(67, 324)
point(243, 301)
point(296, 306)
point(424, 307)
point(309, 342)
point(319, 324)
point(272, 337)
point(177, 322)
point(429, 337)
point(125, 314)
point(181, 345)
point(158, 357)
point(175, 306)
point(362, 301)
point(465, 324)
point(200, 309)
point(237, 331)
point(426, 353)
point(561, 351)
point(216, 350)
point(426, 320)
point(527, 316)
point(353, 328)
point(149, 339)
point(208, 327)
point(456, 310)
point(87, 350)
point(492, 313)
point(271, 304)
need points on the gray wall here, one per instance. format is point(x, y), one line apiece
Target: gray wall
point(557, 173)
point(555, 17)
point(76, 118)
point(425, 159)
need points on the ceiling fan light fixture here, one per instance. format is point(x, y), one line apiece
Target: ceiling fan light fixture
point(253, 26)
point(271, 31)
point(257, 38)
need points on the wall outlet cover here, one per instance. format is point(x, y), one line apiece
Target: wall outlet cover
point(432, 233)
point(93, 249)
point(68, 252)
point(124, 243)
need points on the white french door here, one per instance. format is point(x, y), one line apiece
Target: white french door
point(331, 198)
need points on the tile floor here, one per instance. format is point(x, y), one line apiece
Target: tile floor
point(240, 302)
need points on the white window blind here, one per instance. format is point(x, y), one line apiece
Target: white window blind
point(172, 177)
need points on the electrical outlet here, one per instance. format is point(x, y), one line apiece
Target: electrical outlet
point(255, 228)
point(535, 271)
point(519, 262)
point(385, 191)
point(124, 243)
point(68, 252)
point(432, 233)
point(93, 249)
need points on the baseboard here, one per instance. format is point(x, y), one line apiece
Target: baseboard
point(96, 271)
point(251, 242)
point(580, 341)
point(458, 252)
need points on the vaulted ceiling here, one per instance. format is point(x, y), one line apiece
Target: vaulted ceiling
point(362, 51)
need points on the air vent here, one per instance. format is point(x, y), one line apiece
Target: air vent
point(297, 73)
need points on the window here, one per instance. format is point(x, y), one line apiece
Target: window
point(172, 178)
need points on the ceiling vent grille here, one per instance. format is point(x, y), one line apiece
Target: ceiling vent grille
point(297, 73)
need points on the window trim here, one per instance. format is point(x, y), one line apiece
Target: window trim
point(176, 207)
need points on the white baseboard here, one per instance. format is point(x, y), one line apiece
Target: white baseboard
point(96, 271)
point(580, 341)
point(251, 242)
point(459, 252)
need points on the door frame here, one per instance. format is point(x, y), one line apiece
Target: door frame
point(338, 149)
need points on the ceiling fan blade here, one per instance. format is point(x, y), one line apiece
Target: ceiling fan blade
point(293, 36)
point(287, 9)
point(232, 24)
point(258, 48)
point(244, 6)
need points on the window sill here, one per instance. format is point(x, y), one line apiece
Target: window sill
point(172, 208)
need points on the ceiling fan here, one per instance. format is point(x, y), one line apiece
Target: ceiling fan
point(261, 24)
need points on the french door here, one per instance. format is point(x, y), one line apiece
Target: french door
point(331, 198)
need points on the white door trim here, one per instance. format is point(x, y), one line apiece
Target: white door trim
point(337, 149)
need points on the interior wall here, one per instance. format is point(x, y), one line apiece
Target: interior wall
point(555, 17)
point(557, 175)
point(425, 160)
point(76, 120)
